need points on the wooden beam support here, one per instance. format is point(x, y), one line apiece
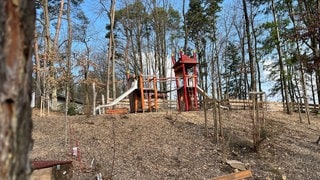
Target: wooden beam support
point(141, 87)
point(117, 111)
point(155, 93)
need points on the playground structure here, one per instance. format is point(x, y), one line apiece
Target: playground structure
point(143, 88)
point(146, 90)
point(144, 94)
point(185, 70)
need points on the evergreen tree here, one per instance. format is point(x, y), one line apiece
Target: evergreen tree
point(200, 23)
point(232, 71)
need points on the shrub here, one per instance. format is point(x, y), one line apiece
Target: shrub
point(72, 109)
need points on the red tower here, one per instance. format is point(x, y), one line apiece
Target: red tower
point(185, 70)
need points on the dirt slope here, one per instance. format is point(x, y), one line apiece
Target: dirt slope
point(173, 146)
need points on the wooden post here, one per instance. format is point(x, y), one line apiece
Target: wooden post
point(41, 106)
point(149, 101)
point(155, 93)
point(256, 119)
point(149, 94)
point(299, 108)
point(48, 105)
point(142, 92)
point(254, 122)
point(103, 103)
point(136, 102)
point(215, 121)
point(94, 98)
point(220, 120)
point(205, 116)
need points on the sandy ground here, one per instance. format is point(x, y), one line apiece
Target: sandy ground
point(172, 145)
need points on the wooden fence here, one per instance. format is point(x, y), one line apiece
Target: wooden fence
point(232, 104)
point(243, 104)
point(301, 106)
point(163, 104)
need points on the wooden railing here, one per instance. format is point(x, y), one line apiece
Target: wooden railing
point(164, 104)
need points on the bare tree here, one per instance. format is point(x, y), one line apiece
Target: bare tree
point(17, 28)
point(111, 49)
point(37, 68)
point(55, 54)
point(47, 47)
point(68, 69)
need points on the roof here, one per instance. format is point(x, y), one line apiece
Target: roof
point(75, 100)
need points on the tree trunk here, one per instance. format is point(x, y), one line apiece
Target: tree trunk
point(139, 46)
point(219, 94)
point(255, 41)
point(243, 76)
point(86, 67)
point(213, 84)
point(46, 59)
point(37, 87)
point(296, 94)
point(133, 50)
point(17, 28)
point(112, 16)
point(255, 121)
point(304, 90)
point(312, 88)
point(303, 80)
point(164, 56)
point(68, 70)
point(185, 47)
point(126, 57)
point(250, 50)
point(279, 50)
point(55, 52)
point(110, 49)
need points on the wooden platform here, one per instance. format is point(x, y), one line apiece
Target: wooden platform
point(116, 111)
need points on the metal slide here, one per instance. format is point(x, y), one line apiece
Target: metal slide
point(114, 102)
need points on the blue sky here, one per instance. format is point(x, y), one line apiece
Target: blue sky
point(98, 19)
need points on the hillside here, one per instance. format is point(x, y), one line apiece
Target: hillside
point(172, 145)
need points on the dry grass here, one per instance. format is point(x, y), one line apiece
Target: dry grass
point(173, 146)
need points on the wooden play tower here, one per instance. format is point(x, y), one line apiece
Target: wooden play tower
point(145, 97)
point(185, 70)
